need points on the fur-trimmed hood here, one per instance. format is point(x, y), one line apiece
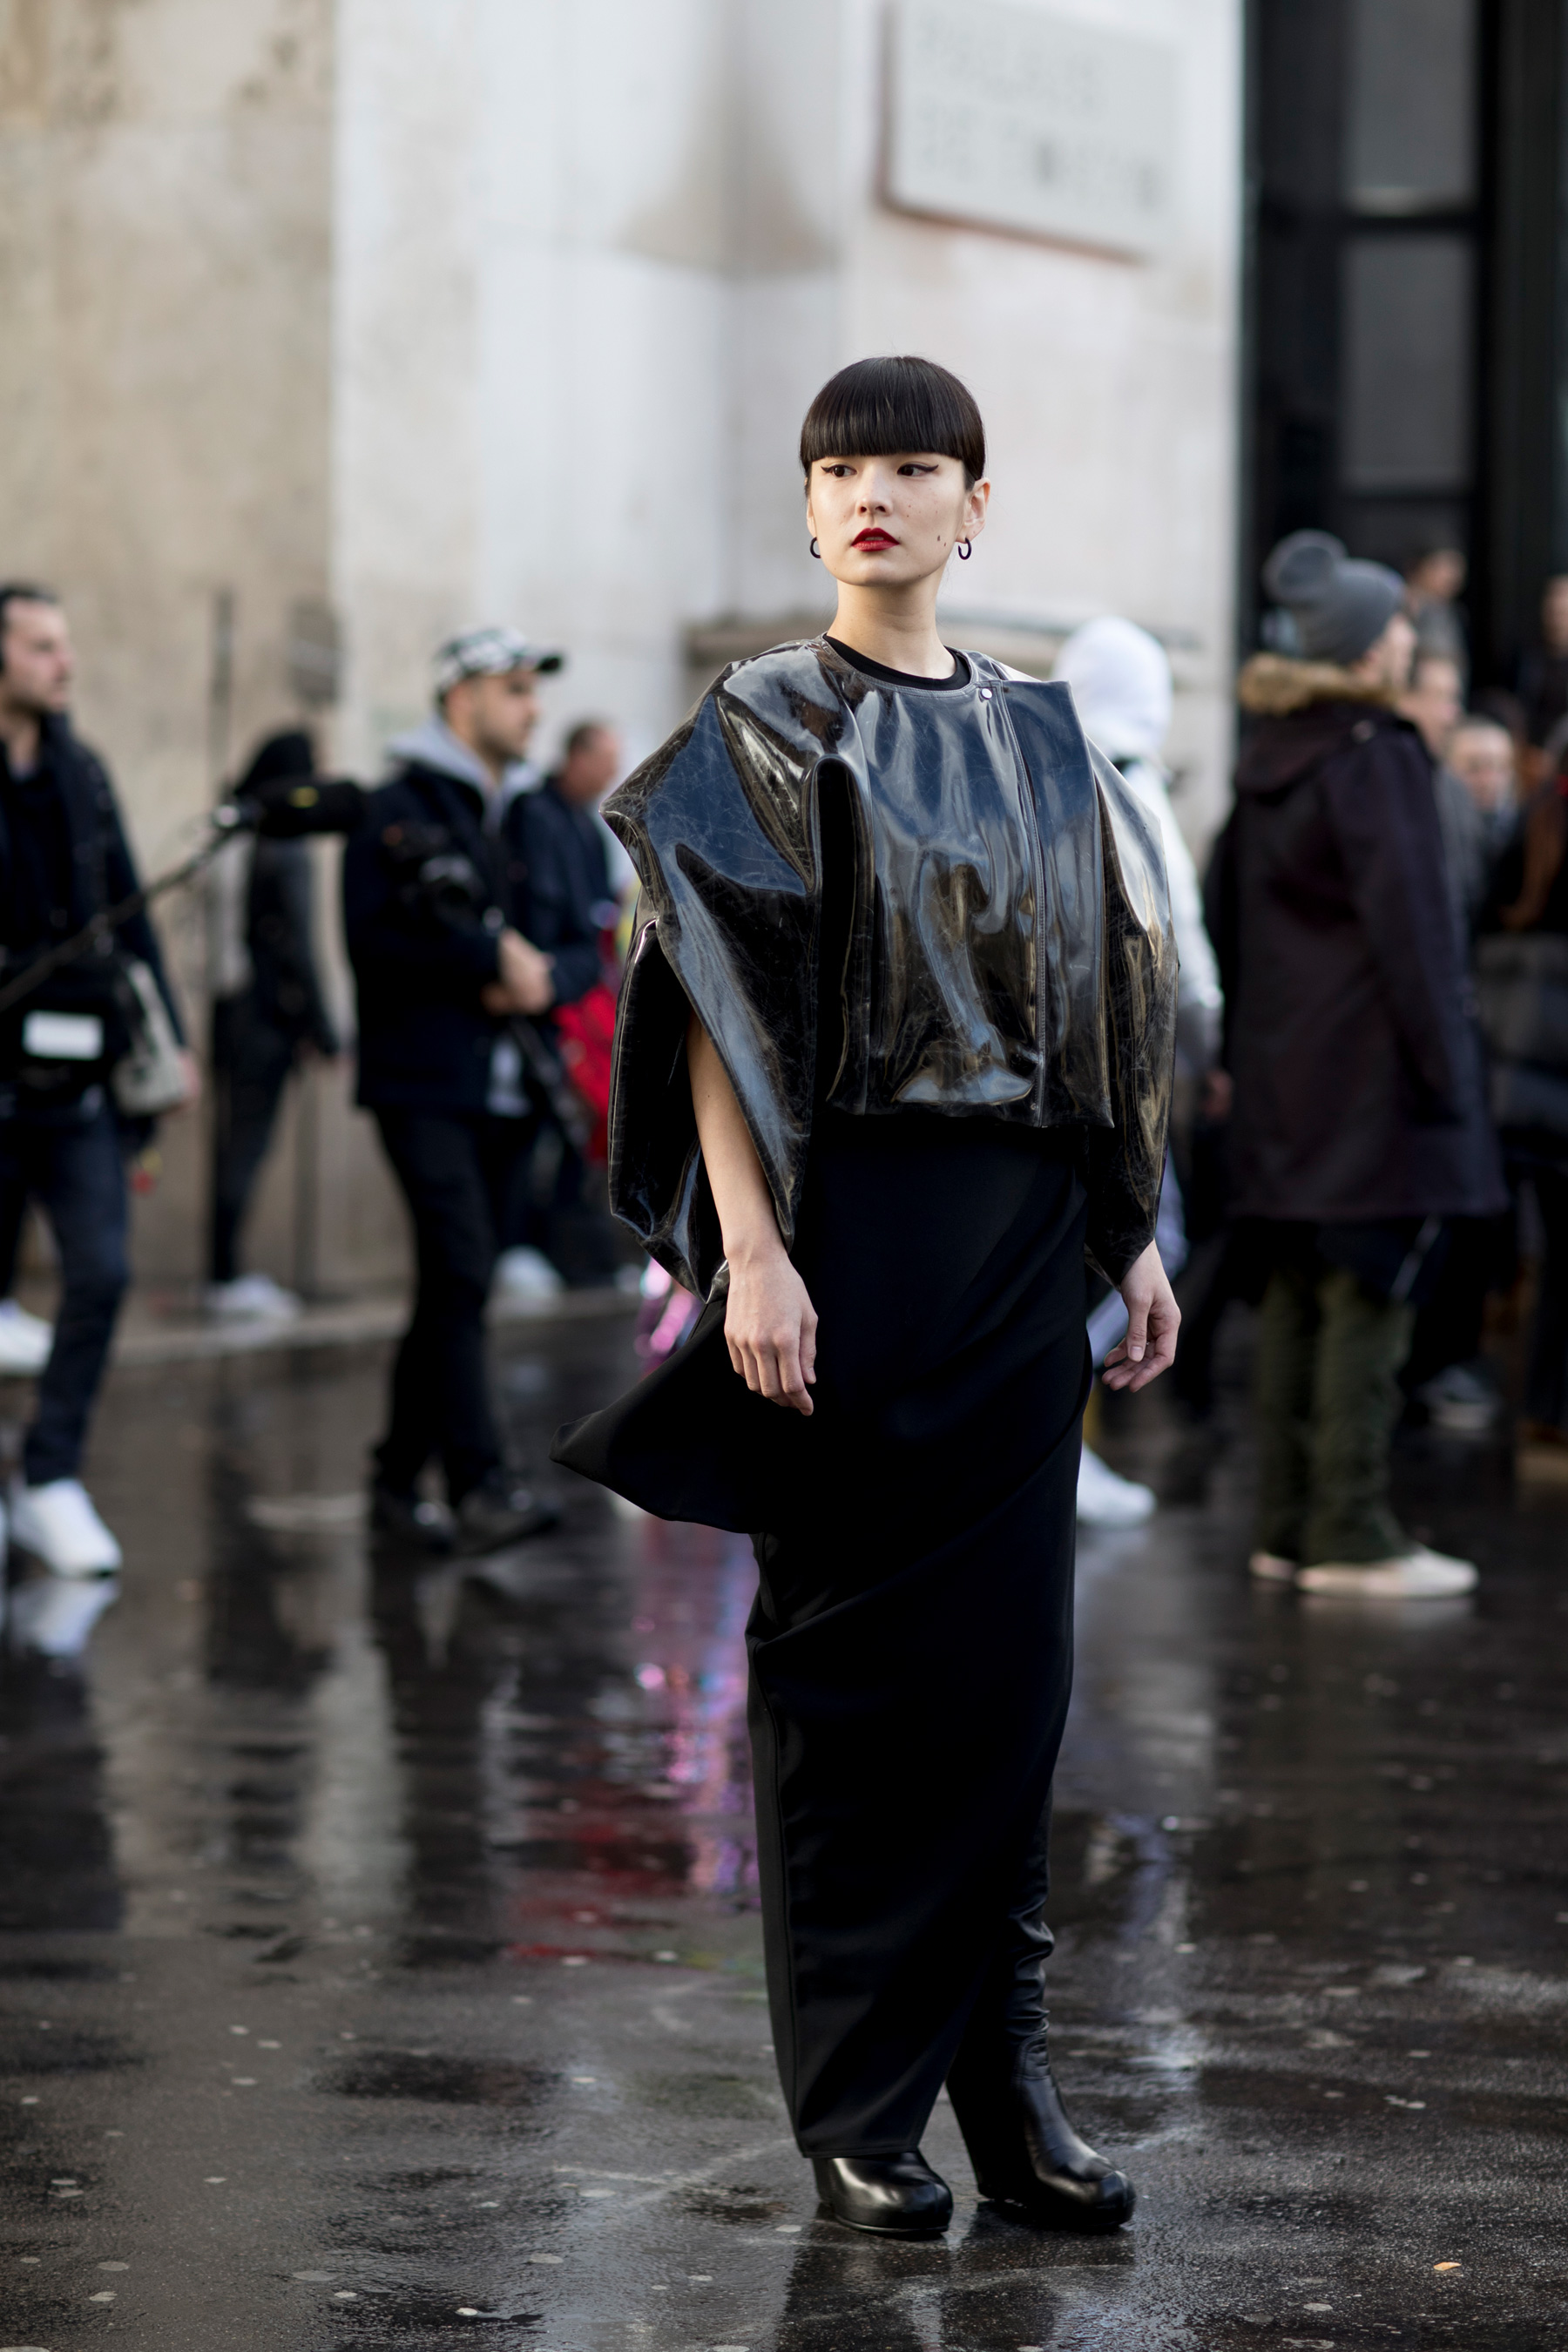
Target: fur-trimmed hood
point(1272, 685)
point(1358, 1090)
point(1304, 713)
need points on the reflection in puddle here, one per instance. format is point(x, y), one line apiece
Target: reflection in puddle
point(533, 1751)
point(57, 1862)
point(466, 1851)
point(52, 1616)
point(453, 2082)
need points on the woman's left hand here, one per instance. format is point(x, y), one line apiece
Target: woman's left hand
point(1153, 1319)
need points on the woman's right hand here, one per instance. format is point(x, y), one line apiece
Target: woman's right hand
point(770, 1326)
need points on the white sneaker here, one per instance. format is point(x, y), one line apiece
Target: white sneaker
point(1462, 1400)
point(1271, 1568)
point(57, 1525)
point(1104, 1501)
point(251, 1298)
point(25, 1340)
point(527, 1272)
point(1421, 1575)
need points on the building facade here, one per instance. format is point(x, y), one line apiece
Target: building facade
point(1406, 358)
point(334, 326)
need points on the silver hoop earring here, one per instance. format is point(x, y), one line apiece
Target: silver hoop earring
point(965, 549)
point(816, 551)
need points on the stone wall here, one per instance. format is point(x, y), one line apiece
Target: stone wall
point(592, 263)
point(165, 375)
point(425, 311)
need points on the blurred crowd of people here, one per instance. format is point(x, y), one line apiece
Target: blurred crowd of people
point(1501, 772)
point(1372, 1139)
point(482, 904)
point(1375, 1137)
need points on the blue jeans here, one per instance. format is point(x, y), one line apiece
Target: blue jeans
point(74, 1170)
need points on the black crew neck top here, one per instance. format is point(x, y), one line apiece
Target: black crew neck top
point(869, 668)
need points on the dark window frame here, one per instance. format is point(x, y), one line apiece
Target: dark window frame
point(1292, 388)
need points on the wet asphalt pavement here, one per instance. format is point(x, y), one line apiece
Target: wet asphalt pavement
point(381, 1965)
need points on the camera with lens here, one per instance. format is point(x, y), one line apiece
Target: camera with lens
point(432, 874)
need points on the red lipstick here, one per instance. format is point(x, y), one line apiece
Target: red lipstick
point(874, 537)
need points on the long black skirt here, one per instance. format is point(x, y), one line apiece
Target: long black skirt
point(911, 1642)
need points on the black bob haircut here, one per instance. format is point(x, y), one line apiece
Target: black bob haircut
point(886, 408)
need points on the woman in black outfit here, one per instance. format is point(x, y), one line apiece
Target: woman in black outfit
point(895, 1044)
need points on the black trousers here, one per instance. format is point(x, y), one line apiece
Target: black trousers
point(251, 1059)
point(459, 1176)
point(912, 1642)
point(13, 1214)
point(75, 1170)
point(1546, 1384)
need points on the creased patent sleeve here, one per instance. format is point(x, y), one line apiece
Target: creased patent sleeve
point(1001, 938)
point(1127, 1161)
point(728, 929)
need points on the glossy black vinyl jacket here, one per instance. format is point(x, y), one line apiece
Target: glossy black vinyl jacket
point(999, 947)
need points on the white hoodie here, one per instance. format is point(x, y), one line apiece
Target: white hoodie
point(1120, 682)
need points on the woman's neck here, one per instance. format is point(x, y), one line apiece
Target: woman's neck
point(893, 627)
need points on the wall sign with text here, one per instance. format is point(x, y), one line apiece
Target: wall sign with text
point(1016, 117)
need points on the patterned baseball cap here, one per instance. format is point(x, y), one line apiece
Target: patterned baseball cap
point(488, 653)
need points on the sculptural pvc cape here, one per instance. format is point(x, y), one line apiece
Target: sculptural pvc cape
point(724, 825)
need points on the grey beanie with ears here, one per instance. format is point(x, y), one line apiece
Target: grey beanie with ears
point(1340, 605)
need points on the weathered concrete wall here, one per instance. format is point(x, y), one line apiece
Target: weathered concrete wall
point(165, 271)
point(166, 264)
point(1109, 385)
point(446, 309)
point(592, 263)
point(530, 384)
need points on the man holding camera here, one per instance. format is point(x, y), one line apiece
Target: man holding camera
point(63, 860)
point(444, 979)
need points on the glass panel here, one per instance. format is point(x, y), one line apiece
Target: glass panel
point(1409, 303)
point(1411, 108)
point(1394, 530)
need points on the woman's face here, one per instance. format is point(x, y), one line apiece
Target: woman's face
point(888, 521)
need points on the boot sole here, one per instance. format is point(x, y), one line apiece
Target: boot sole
point(538, 1523)
point(884, 2229)
point(1049, 2210)
point(22, 1550)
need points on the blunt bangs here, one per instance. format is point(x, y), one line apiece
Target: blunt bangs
point(884, 409)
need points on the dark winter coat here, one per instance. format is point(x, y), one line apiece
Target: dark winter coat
point(64, 857)
point(1349, 1032)
point(421, 960)
point(560, 874)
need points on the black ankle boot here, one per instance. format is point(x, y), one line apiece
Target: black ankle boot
point(1024, 2151)
point(896, 2195)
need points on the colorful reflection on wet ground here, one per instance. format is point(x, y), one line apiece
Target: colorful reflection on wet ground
point(380, 1964)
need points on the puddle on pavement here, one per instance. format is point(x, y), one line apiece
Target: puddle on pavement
point(1290, 1846)
point(454, 2081)
point(719, 2098)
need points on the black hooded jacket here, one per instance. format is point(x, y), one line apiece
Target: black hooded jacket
point(63, 857)
point(560, 874)
point(1350, 1032)
point(421, 962)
